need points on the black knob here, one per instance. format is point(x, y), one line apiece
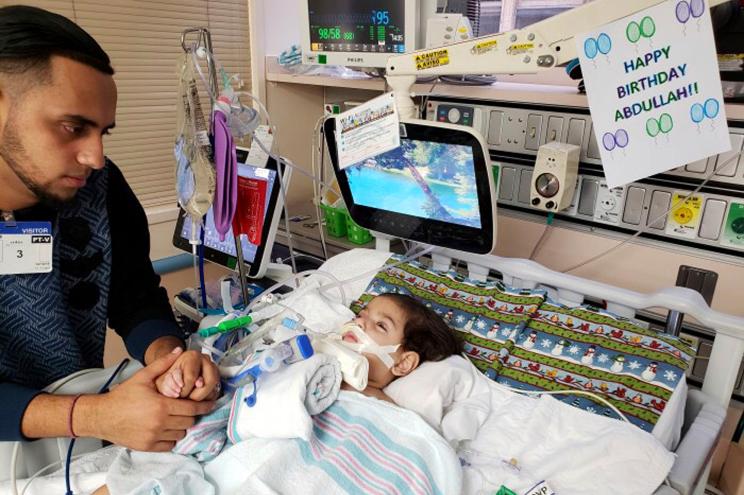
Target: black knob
point(535, 201)
point(550, 205)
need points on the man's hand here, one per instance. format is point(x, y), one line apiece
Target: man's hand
point(135, 415)
point(193, 375)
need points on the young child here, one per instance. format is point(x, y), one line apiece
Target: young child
point(403, 332)
point(408, 333)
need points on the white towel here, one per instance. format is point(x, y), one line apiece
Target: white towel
point(285, 400)
point(145, 473)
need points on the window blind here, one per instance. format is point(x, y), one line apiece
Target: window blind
point(142, 37)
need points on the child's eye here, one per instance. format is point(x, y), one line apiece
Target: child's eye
point(382, 326)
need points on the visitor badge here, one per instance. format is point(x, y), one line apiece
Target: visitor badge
point(541, 488)
point(25, 247)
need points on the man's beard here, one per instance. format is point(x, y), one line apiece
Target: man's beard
point(13, 152)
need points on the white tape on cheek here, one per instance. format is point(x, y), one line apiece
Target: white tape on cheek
point(368, 345)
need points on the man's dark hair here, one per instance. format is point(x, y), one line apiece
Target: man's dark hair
point(425, 331)
point(30, 36)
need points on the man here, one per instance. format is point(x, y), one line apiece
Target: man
point(57, 101)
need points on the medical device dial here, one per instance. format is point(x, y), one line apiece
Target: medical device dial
point(738, 226)
point(547, 185)
point(683, 215)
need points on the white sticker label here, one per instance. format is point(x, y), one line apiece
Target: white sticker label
point(25, 247)
point(257, 156)
point(541, 488)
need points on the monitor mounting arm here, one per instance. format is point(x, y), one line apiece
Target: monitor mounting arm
point(543, 45)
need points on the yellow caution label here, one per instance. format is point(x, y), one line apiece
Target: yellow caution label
point(731, 56)
point(435, 58)
point(484, 47)
point(520, 48)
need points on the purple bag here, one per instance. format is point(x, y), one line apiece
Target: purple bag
point(226, 166)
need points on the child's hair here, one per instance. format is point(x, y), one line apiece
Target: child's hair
point(425, 332)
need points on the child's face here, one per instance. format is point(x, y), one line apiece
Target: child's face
point(383, 321)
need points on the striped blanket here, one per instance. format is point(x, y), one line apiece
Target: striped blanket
point(359, 445)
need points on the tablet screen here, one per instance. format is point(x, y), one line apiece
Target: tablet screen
point(424, 179)
point(435, 188)
point(253, 241)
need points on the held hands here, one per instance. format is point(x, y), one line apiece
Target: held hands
point(135, 415)
point(192, 376)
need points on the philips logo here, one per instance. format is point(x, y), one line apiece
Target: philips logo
point(355, 59)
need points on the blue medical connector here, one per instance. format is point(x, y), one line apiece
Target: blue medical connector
point(288, 352)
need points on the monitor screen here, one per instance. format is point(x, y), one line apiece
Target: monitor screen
point(259, 188)
point(435, 188)
point(424, 179)
point(357, 26)
point(212, 238)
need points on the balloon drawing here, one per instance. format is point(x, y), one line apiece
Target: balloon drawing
point(620, 139)
point(697, 8)
point(711, 108)
point(604, 44)
point(590, 48)
point(697, 113)
point(633, 32)
point(682, 11)
point(608, 141)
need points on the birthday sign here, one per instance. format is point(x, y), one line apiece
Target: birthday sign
point(654, 90)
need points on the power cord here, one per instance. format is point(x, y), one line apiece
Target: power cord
point(548, 225)
point(642, 230)
point(68, 461)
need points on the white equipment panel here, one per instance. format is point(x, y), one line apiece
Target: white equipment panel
point(712, 220)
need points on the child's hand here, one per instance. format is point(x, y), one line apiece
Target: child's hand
point(193, 376)
point(172, 383)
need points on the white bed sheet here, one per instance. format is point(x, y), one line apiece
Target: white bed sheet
point(350, 264)
point(505, 438)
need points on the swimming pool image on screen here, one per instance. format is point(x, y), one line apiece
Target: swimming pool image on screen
point(420, 178)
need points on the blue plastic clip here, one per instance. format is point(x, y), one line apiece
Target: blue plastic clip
point(250, 401)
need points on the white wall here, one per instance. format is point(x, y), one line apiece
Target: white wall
point(281, 25)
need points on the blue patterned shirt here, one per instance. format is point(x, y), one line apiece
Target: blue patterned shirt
point(54, 324)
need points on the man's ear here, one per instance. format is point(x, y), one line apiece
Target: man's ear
point(408, 362)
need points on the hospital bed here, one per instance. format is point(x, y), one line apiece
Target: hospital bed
point(704, 410)
point(702, 414)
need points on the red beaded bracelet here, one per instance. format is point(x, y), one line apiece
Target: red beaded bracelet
point(69, 418)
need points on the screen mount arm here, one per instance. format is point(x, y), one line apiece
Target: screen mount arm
point(543, 45)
